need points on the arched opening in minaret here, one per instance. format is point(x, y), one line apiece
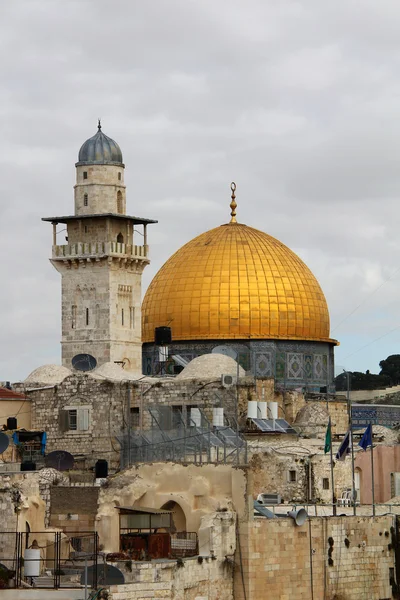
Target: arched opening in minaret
point(119, 203)
point(120, 238)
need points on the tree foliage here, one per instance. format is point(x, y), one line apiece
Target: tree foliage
point(390, 367)
point(362, 381)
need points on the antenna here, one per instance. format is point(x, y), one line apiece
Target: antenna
point(4, 442)
point(60, 460)
point(84, 362)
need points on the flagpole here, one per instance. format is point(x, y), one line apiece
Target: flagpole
point(351, 440)
point(333, 485)
point(372, 475)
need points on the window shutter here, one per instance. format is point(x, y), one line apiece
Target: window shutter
point(83, 419)
point(63, 420)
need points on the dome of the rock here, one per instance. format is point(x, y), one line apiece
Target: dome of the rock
point(235, 282)
point(238, 291)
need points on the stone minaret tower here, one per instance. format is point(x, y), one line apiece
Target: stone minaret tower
point(100, 265)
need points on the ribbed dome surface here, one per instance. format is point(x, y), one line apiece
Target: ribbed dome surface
point(235, 282)
point(99, 150)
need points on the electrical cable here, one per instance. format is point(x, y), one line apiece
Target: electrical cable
point(365, 299)
point(373, 342)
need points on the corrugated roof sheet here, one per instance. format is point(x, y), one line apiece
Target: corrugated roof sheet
point(145, 509)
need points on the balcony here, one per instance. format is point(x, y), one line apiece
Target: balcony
point(97, 250)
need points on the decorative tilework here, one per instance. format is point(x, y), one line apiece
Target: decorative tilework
point(318, 368)
point(308, 366)
point(295, 366)
point(280, 365)
point(263, 364)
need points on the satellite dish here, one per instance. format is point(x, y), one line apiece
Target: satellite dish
point(84, 362)
point(4, 442)
point(106, 575)
point(60, 460)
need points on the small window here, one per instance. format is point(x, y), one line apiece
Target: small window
point(73, 420)
point(325, 483)
point(87, 316)
point(84, 174)
point(120, 238)
point(292, 476)
point(85, 228)
point(73, 317)
point(135, 417)
point(132, 317)
point(122, 317)
point(119, 203)
point(85, 200)
point(119, 176)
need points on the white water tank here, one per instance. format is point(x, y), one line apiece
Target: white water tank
point(262, 410)
point(195, 417)
point(272, 410)
point(218, 417)
point(32, 563)
point(252, 409)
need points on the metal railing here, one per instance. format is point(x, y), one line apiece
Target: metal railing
point(43, 559)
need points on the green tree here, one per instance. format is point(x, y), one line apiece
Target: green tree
point(391, 368)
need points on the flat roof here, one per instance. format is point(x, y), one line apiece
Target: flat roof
point(66, 219)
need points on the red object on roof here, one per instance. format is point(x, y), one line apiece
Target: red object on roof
point(6, 394)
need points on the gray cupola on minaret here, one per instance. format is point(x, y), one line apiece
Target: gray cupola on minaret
point(101, 262)
point(100, 177)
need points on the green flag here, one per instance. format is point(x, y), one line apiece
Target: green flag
point(328, 437)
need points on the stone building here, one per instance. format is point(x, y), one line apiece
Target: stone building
point(238, 291)
point(100, 264)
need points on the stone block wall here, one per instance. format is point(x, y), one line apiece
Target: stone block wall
point(337, 558)
point(73, 509)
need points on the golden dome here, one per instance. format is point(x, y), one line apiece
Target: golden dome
point(235, 282)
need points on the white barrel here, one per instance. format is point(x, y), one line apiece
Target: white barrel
point(262, 410)
point(195, 417)
point(218, 417)
point(272, 410)
point(163, 354)
point(32, 563)
point(252, 409)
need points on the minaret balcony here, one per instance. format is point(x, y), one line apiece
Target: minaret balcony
point(97, 250)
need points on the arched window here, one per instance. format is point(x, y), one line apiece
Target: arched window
point(119, 203)
point(85, 200)
point(119, 177)
point(120, 238)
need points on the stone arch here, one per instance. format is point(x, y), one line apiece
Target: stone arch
point(120, 208)
point(178, 516)
point(120, 238)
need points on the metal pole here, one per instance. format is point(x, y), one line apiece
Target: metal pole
point(372, 475)
point(237, 409)
point(351, 442)
point(129, 425)
point(332, 480)
point(86, 578)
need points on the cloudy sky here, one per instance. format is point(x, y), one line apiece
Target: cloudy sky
point(298, 102)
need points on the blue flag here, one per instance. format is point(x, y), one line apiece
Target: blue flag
point(366, 439)
point(345, 447)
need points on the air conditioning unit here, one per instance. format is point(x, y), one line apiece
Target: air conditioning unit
point(228, 381)
point(269, 499)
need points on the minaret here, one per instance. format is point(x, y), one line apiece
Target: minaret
point(100, 264)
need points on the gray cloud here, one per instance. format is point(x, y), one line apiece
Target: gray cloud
point(295, 101)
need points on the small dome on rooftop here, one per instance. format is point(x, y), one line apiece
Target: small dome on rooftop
point(48, 375)
point(211, 366)
point(100, 150)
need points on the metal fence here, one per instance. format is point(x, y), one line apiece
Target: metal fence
point(42, 559)
point(172, 438)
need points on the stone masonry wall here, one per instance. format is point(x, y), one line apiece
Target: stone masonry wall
point(332, 558)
